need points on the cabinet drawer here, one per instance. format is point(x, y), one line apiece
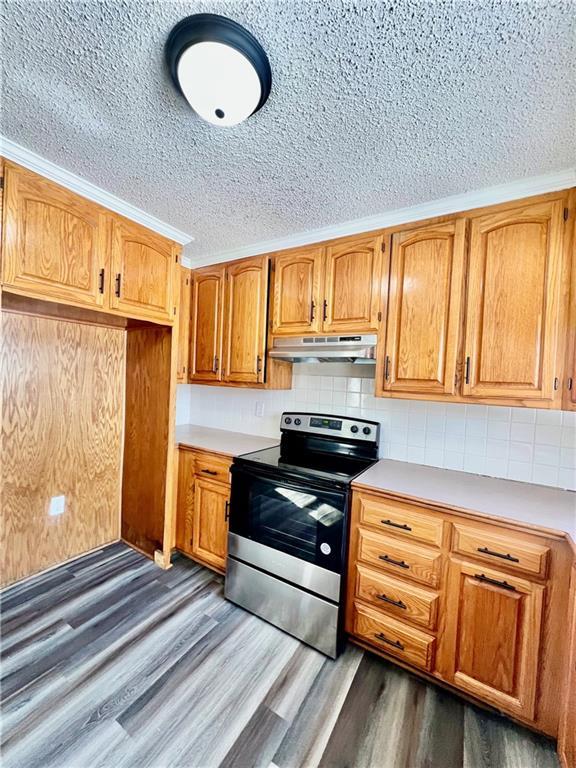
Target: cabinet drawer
point(400, 519)
point(501, 549)
point(212, 467)
point(403, 600)
point(402, 559)
point(394, 637)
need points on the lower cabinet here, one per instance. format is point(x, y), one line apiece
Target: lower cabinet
point(202, 508)
point(474, 603)
point(210, 526)
point(492, 638)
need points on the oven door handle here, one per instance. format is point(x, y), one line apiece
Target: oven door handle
point(288, 481)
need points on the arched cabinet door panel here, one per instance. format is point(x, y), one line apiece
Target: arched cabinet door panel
point(206, 324)
point(55, 242)
point(514, 299)
point(425, 307)
point(353, 286)
point(245, 332)
point(297, 281)
point(143, 275)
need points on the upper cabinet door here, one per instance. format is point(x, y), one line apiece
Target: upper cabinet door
point(206, 324)
point(425, 309)
point(491, 645)
point(514, 301)
point(353, 286)
point(55, 242)
point(246, 311)
point(143, 275)
point(184, 325)
point(297, 282)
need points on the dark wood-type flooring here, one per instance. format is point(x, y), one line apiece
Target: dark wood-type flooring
point(110, 661)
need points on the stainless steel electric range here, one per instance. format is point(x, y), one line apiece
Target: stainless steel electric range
point(287, 541)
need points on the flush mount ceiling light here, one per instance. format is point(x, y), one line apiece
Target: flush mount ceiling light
point(219, 67)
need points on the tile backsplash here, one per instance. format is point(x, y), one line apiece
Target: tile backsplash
point(525, 444)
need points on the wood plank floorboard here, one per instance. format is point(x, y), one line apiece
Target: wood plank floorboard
point(110, 662)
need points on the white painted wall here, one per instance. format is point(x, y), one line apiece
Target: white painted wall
point(525, 444)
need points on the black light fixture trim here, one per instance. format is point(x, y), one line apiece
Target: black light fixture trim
point(209, 27)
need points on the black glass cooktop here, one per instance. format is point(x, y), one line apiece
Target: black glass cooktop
point(338, 467)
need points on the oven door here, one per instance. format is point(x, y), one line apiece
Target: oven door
point(303, 519)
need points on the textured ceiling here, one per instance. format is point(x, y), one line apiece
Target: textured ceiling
point(374, 106)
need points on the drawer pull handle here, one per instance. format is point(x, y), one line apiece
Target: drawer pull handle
point(488, 580)
point(227, 511)
point(403, 526)
point(396, 643)
point(486, 551)
point(209, 472)
point(397, 603)
point(388, 559)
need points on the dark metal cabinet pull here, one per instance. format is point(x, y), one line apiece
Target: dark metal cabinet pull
point(495, 582)
point(403, 526)
point(101, 281)
point(395, 643)
point(312, 308)
point(118, 279)
point(467, 375)
point(325, 310)
point(215, 365)
point(387, 368)
point(258, 364)
point(397, 603)
point(227, 510)
point(208, 471)
point(399, 563)
point(486, 551)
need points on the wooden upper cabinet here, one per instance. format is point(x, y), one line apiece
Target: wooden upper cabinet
point(297, 283)
point(210, 522)
point(206, 324)
point(514, 303)
point(569, 384)
point(246, 312)
point(491, 647)
point(55, 242)
point(184, 324)
point(353, 285)
point(143, 272)
point(424, 310)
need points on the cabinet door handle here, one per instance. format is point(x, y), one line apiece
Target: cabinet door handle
point(495, 582)
point(397, 603)
point(403, 526)
point(467, 374)
point(395, 643)
point(324, 310)
point(570, 383)
point(209, 472)
point(258, 364)
point(399, 563)
point(118, 279)
point(227, 510)
point(312, 308)
point(387, 368)
point(101, 281)
point(486, 551)
point(215, 365)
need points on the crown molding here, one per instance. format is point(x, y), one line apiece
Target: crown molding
point(23, 156)
point(502, 193)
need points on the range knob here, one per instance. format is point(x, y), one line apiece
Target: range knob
point(354, 428)
point(297, 422)
point(366, 430)
point(287, 420)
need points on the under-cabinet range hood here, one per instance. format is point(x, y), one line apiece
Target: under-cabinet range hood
point(326, 349)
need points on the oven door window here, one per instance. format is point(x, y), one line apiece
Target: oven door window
point(305, 522)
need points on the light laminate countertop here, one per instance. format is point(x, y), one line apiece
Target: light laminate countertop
point(221, 440)
point(535, 506)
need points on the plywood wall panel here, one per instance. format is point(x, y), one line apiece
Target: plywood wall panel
point(62, 424)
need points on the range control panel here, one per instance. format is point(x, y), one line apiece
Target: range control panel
point(336, 426)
